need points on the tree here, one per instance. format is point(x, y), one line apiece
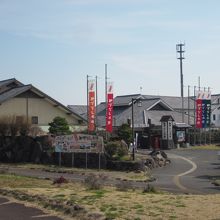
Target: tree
point(125, 133)
point(59, 126)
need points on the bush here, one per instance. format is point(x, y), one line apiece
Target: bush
point(149, 189)
point(125, 133)
point(93, 182)
point(12, 125)
point(115, 150)
point(59, 126)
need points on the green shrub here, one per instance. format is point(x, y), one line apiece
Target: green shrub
point(115, 150)
point(125, 133)
point(59, 126)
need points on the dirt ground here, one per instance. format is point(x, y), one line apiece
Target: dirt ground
point(118, 202)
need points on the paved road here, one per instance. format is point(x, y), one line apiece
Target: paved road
point(191, 171)
point(15, 211)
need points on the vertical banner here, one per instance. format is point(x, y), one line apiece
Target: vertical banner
point(164, 130)
point(170, 130)
point(91, 115)
point(203, 109)
point(109, 110)
point(198, 113)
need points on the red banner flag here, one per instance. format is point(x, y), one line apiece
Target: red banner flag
point(91, 115)
point(199, 113)
point(109, 110)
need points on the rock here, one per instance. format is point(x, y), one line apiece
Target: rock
point(98, 216)
point(77, 207)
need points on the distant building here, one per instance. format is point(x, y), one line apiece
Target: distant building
point(215, 117)
point(147, 116)
point(19, 100)
point(152, 107)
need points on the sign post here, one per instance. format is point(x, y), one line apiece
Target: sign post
point(77, 143)
point(167, 131)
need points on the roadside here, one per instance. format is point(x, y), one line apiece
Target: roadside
point(78, 200)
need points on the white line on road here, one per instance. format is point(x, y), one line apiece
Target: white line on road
point(6, 203)
point(176, 178)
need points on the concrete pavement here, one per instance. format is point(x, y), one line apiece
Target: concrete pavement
point(10, 210)
point(191, 171)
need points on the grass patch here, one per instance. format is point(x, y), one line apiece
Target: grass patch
point(138, 206)
point(16, 181)
point(111, 215)
point(113, 204)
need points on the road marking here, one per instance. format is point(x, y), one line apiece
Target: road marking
point(5, 203)
point(41, 216)
point(176, 178)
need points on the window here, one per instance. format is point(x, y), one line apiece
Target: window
point(213, 117)
point(34, 120)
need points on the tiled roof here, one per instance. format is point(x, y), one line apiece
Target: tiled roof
point(9, 81)
point(13, 92)
point(19, 88)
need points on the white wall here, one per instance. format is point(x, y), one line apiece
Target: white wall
point(42, 108)
point(216, 122)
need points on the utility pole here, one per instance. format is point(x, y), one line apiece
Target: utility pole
point(106, 84)
point(96, 85)
point(194, 110)
point(189, 105)
point(106, 79)
point(87, 98)
point(180, 56)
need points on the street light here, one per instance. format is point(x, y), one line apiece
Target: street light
point(139, 103)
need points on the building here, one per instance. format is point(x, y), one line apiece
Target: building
point(151, 108)
point(39, 109)
point(215, 117)
point(147, 112)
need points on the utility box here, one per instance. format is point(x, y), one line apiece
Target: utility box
point(167, 132)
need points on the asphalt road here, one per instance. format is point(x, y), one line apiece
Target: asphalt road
point(190, 171)
point(15, 211)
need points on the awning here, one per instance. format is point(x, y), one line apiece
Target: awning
point(182, 125)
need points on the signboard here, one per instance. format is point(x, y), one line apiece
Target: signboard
point(203, 109)
point(109, 110)
point(170, 130)
point(180, 136)
point(78, 143)
point(164, 130)
point(91, 114)
point(167, 130)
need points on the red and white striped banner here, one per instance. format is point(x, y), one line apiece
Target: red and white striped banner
point(91, 114)
point(109, 110)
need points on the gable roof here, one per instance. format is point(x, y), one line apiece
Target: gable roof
point(125, 100)
point(79, 109)
point(9, 81)
point(13, 93)
point(20, 88)
point(174, 102)
point(167, 118)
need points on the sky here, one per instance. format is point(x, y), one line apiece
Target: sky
point(55, 44)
